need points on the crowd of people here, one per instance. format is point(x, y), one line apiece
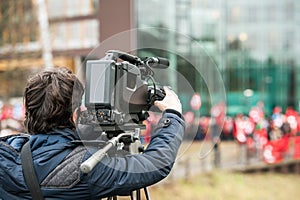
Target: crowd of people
point(269, 139)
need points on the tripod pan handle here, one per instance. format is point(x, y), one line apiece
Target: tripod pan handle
point(90, 163)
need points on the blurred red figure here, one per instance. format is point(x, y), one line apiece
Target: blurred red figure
point(7, 112)
point(296, 153)
point(275, 150)
point(292, 119)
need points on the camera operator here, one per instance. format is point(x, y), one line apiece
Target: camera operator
point(52, 103)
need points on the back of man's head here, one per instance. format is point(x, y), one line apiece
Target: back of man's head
point(50, 98)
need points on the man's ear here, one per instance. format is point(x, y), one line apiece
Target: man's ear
point(77, 113)
point(75, 116)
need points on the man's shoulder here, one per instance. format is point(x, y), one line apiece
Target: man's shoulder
point(67, 173)
point(13, 142)
point(10, 165)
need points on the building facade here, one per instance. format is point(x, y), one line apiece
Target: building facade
point(73, 29)
point(254, 45)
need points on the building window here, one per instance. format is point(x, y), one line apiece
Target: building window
point(274, 40)
point(234, 14)
point(288, 40)
point(75, 35)
point(272, 13)
point(17, 22)
point(253, 14)
point(13, 82)
point(289, 10)
point(70, 8)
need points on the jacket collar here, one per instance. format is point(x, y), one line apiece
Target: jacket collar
point(55, 137)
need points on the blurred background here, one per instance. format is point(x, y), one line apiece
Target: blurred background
point(253, 44)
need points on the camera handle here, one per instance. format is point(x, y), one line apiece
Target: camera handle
point(90, 163)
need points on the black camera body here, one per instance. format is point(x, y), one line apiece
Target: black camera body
point(120, 90)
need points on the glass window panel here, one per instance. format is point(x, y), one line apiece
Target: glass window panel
point(80, 34)
point(70, 8)
point(56, 8)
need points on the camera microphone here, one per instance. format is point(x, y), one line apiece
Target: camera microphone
point(130, 58)
point(158, 62)
point(125, 56)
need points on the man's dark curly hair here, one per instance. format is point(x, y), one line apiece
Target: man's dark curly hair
point(50, 98)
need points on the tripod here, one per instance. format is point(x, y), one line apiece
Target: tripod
point(118, 141)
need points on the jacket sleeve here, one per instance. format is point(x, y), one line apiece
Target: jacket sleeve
point(120, 175)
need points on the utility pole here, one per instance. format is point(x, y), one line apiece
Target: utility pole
point(45, 40)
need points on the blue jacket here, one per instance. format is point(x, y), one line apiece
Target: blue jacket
point(57, 159)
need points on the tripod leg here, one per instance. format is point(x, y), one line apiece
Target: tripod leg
point(112, 198)
point(147, 194)
point(131, 196)
point(138, 195)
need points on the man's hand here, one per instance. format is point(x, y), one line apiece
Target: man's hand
point(171, 101)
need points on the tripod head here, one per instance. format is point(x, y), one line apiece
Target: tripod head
point(126, 138)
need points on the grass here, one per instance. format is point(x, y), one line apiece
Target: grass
point(222, 185)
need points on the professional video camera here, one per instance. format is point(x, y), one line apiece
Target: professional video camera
point(120, 90)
